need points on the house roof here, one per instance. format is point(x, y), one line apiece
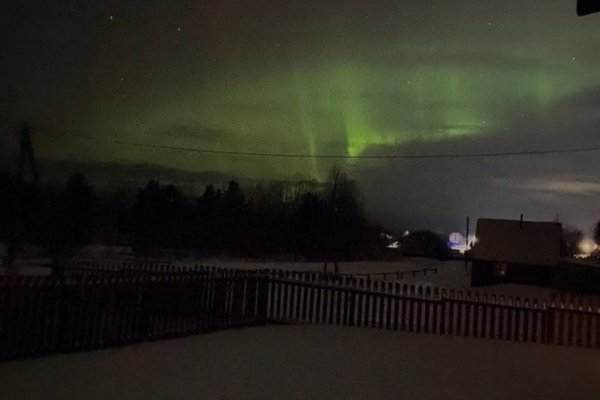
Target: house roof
point(513, 241)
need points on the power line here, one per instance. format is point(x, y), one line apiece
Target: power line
point(347, 156)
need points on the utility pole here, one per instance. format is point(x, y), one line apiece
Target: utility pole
point(466, 243)
point(26, 154)
point(332, 228)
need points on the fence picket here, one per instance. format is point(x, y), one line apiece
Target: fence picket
point(360, 297)
point(339, 301)
point(380, 304)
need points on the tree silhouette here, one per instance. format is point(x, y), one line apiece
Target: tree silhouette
point(570, 241)
point(234, 217)
point(298, 218)
point(7, 215)
point(161, 217)
point(345, 223)
point(208, 228)
point(73, 219)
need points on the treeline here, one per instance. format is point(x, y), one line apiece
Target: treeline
point(298, 218)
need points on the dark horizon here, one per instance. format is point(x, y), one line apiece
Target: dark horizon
point(114, 178)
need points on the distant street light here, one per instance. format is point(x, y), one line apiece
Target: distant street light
point(587, 246)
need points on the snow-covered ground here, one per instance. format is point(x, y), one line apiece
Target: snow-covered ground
point(310, 362)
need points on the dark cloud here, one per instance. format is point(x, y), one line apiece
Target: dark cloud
point(440, 193)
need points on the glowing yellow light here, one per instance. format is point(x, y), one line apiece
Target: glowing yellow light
point(587, 246)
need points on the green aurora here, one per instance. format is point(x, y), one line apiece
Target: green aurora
point(311, 77)
point(344, 80)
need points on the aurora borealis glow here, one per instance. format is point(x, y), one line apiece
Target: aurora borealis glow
point(341, 77)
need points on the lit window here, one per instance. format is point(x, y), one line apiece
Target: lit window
point(500, 269)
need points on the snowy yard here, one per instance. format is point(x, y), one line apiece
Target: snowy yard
point(309, 362)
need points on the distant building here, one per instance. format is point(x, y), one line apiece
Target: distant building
point(516, 251)
point(424, 244)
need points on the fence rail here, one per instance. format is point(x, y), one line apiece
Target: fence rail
point(73, 312)
point(398, 275)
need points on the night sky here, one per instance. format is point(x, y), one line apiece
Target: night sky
point(321, 77)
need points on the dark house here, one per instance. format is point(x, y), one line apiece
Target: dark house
point(513, 251)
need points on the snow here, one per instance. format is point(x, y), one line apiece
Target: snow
point(310, 362)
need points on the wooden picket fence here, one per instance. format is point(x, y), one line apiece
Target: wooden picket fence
point(90, 310)
point(419, 309)
point(44, 315)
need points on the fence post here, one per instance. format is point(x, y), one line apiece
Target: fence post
point(451, 303)
point(249, 310)
point(352, 294)
point(262, 301)
point(571, 322)
point(547, 324)
point(390, 302)
point(477, 325)
point(381, 304)
point(459, 312)
point(63, 307)
point(443, 303)
point(526, 324)
point(588, 327)
point(143, 319)
point(436, 304)
point(305, 290)
point(397, 314)
point(312, 293)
